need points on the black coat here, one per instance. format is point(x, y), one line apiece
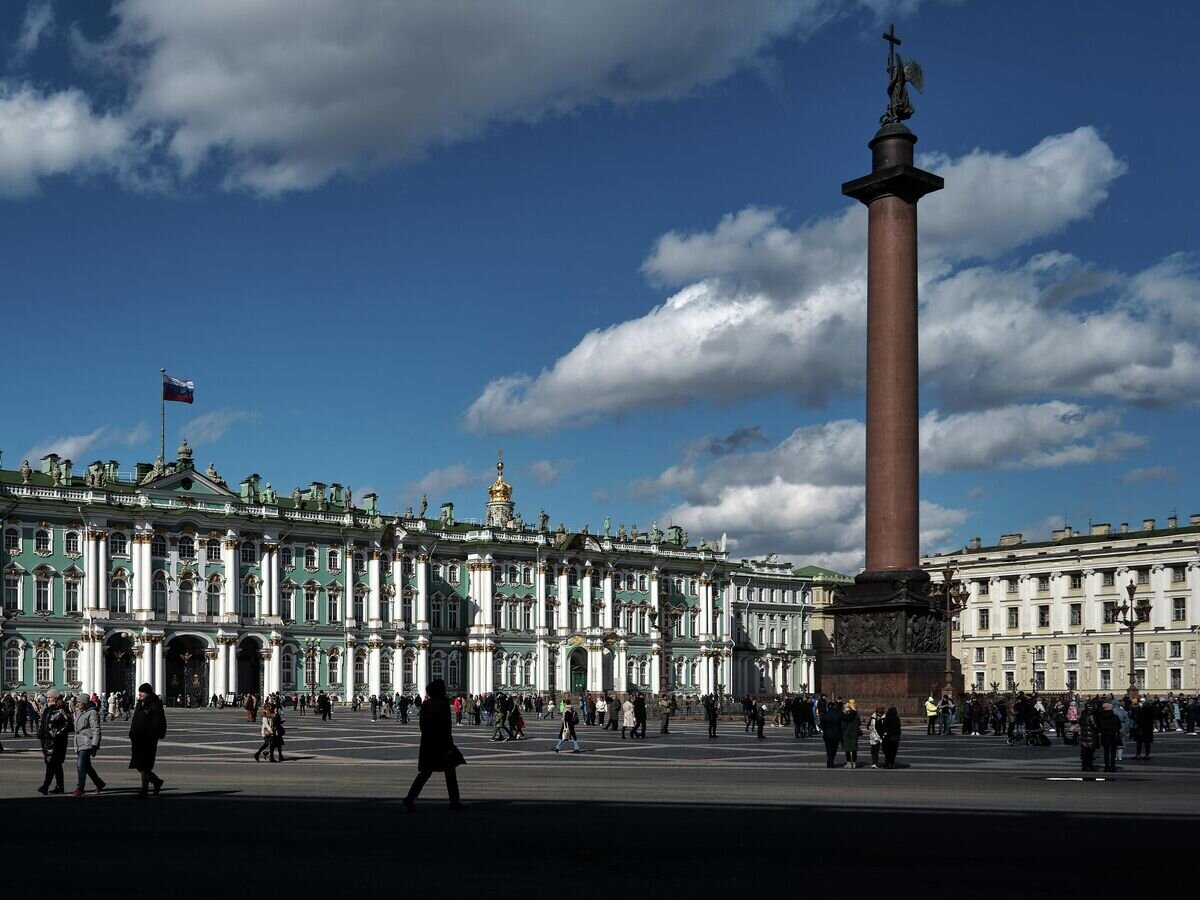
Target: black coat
point(148, 727)
point(53, 731)
point(831, 724)
point(438, 752)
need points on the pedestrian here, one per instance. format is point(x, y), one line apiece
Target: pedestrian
point(149, 726)
point(710, 713)
point(437, 753)
point(831, 732)
point(851, 731)
point(760, 718)
point(374, 708)
point(891, 737)
point(1109, 726)
point(639, 716)
point(931, 714)
point(277, 732)
point(601, 711)
point(1089, 738)
point(627, 717)
point(664, 714)
point(53, 731)
point(568, 731)
point(875, 735)
point(1143, 716)
point(266, 729)
point(87, 744)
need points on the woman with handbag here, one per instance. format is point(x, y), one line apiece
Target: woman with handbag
point(277, 732)
point(874, 735)
point(438, 753)
point(568, 730)
point(267, 730)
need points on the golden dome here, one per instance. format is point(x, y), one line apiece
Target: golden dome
point(500, 491)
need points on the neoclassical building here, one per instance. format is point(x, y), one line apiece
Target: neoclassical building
point(1046, 613)
point(169, 575)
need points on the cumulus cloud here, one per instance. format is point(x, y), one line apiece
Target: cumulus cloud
point(38, 23)
point(437, 482)
point(544, 471)
point(763, 307)
point(1150, 473)
point(211, 427)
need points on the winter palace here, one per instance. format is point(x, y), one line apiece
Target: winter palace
point(169, 575)
point(1048, 613)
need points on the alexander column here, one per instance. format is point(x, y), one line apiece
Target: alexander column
point(888, 639)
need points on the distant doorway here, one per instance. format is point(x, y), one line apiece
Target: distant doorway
point(578, 671)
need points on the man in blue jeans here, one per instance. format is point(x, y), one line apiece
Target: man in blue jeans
point(87, 742)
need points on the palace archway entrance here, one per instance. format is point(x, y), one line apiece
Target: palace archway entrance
point(120, 672)
point(577, 670)
point(186, 671)
point(249, 667)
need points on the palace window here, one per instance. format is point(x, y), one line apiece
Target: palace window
point(985, 619)
point(1176, 679)
point(513, 576)
point(71, 666)
point(310, 558)
point(1043, 617)
point(1076, 613)
point(214, 596)
point(250, 597)
point(498, 574)
point(43, 667)
point(385, 671)
point(71, 542)
point(1076, 582)
point(70, 594)
point(1175, 650)
point(1014, 616)
point(1039, 653)
point(12, 666)
point(979, 651)
point(158, 596)
point(310, 671)
point(1139, 650)
point(527, 576)
point(41, 541)
point(12, 540)
point(1179, 609)
point(1010, 680)
point(1178, 575)
point(1072, 652)
point(286, 598)
point(118, 544)
point(1043, 584)
point(643, 584)
point(187, 548)
point(360, 612)
point(406, 607)
point(1143, 576)
point(335, 561)
point(435, 617)
point(452, 671)
point(12, 591)
point(528, 617)
point(1072, 679)
point(335, 667)
point(1010, 585)
point(1109, 579)
point(1010, 654)
point(185, 598)
point(1110, 612)
point(249, 553)
point(453, 570)
point(158, 546)
point(979, 676)
point(289, 668)
point(212, 550)
point(41, 592)
point(437, 667)
point(453, 617)
point(285, 557)
point(1106, 679)
point(118, 592)
point(572, 578)
point(437, 571)
point(360, 563)
point(335, 605)
point(1106, 651)
point(408, 568)
point(310, 603)
point(409, 670)
point(360, 668)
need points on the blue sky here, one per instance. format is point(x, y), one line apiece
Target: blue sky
point(385, 240)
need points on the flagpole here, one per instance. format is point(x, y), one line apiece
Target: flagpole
point(162, 437)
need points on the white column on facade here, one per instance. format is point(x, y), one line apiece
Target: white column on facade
point(621, 668)
point(142, 660)
point(229, 597)
point(422, 598)
point(586, 595)
point(102, 571)
point(564, 598)
point(609, 621)
point(88, 601)
point(706, 609)
point(374, 585)
point(656, 662)
point(140, 575)
point(159, 681)
point(595, 666)
point(422, 665)
point(270, 579)
point(98, 661)
point(219, 681)
point(539, 586)
point(348, 603)
point(148, 568)
point(231, 679)
point(398, 597)
point(655, 605)
point(374, 656)
point(486, 600)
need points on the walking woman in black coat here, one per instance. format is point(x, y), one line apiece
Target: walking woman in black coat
point(438, 753)
point(831, 731)
point(149, 726)
point(890, 732)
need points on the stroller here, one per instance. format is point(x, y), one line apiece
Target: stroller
point(1033, 734)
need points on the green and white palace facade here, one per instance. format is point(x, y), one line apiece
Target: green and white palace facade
point(169, 575)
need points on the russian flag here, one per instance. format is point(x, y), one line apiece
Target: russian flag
point(181, 391)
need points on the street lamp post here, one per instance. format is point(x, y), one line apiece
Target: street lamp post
point(1033, 685)
point(955, 598)
point(1131, 615)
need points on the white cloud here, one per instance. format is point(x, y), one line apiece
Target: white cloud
point(1151, 473)
point(211, 427)
point(436, 482)
point(544, 471)
point(763, 307)
point(48, 134)
point(76, 446)
point(38, 23)
point(599, 495)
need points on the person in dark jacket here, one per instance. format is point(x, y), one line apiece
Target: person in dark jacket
point(149, 726)
point(1109, 726)
point(569, 720)
point(850, 729)
point(1144, 716)
point(53, 731)
point(438, 753)
point(1089, 738)
point(831, 732)
point(890, 732)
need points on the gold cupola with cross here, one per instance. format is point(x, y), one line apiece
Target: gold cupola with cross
point(500, 505)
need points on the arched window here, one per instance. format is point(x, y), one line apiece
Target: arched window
point(680, 672)
point(454, 574)
point(335, 667)
point(12, 665)
point(41, 541)
point(12, 540)
point(643, 672)
point(43, 666)
point(250, 597)
point(360, 668)
point(527, 576)
point(437, 667)
point(310, 671)
point(42, 584)
point(158, 595)
point(71, 666)
point(71, 542)
point(214, 596)
point(452, 619)
point(498, 668)
point(514, 670)
point(310, 558)
point(408, 568)
point(285, 557)
point(158, 546)
point(118, 592)
point(249, 553)
point(435, 617)
point(360, 563)
point(528, 671)
point(310, 602)
point(212, 549)
point(186, 601)
point(187, 547)
point(407, 673)
point(762, 635)
point(335, 561)
point(286, 600)
point(692, 588)
point(289, 668)
point(498, 574)
point(385, 671)
point(643, 584)
point(452, 671)
point(360, 605)
point(71, 591)
point(335, 604)
point(406, 605)
point(118, 544)
point(513, 576)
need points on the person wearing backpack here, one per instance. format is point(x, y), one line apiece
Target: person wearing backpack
point(149, 726)
point(53, 731)
point(568, 730)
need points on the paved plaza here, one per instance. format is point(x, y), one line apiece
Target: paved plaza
point(740, 808)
